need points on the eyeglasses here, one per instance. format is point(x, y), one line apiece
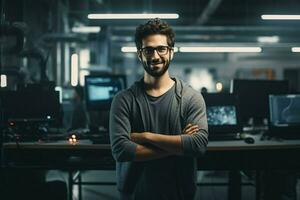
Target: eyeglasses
point(161, 50)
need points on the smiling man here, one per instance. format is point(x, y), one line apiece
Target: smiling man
point(158, 126)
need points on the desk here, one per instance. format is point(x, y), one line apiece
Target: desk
point(237, 155)
point(229, 155)
point(220, 155)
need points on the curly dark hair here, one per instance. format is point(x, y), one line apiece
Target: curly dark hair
point(154, 26)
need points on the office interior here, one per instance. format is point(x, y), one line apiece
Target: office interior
point(61, 65)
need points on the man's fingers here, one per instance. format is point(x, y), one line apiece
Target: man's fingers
point(132, 137)
point(192, 131)
point(192, 128)
point(187, 126)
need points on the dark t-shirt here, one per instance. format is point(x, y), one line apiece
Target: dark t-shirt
point(158, 180)
point(160, 111)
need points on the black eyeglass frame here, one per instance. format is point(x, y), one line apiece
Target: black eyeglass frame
point(142, 50)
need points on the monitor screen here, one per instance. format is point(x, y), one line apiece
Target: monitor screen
point(253, 97)
point(284, 110)
point(100, 90)
point(30, 105)
point(222, 113)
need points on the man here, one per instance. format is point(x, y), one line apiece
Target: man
point(158, 126)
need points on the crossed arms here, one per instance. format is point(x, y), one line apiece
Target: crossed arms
point(153, 146)
point(131, 146)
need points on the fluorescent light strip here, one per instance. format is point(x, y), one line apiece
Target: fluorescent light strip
point(296, 49)
point(129, 49)
point(280, 17)
point(3, 80)
point(133, 49)
point(86, 29)
point(134, 16)
point(221, 49)
point(268, 39)
point(74, 70)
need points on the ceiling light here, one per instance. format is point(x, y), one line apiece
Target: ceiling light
point(74, 70)
point(3, 80)
point(86, 29)
point(134, 16)
point(221, 49)
point(296, 49)
point(133, 49)
point(128, 49)
point(280, 17)
point(268, 39)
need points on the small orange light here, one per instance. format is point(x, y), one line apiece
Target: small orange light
point(70, 140)
point(73, 136)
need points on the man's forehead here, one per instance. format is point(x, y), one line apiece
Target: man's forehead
point(155, 40)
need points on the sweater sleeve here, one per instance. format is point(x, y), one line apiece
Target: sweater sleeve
point(195, 144)
point(123, 149)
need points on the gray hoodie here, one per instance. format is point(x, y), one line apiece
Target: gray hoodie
point(129, 114)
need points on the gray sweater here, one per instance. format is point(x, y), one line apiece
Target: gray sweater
point(129, 114)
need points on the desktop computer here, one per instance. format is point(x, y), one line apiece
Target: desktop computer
point(222, 116)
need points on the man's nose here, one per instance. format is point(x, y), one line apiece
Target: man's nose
point(155, 55)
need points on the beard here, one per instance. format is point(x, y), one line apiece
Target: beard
point(153, 71)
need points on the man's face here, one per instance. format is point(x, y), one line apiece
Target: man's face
point(155, 55)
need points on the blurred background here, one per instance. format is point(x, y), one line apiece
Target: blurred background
point(66, 59)
point(58, 30)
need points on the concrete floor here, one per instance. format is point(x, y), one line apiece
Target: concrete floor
point(97, 192)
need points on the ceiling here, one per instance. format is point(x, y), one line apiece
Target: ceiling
point(192, 12)
point(200, 21)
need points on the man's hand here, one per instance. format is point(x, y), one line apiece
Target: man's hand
point(139, 138)
point(190, 129)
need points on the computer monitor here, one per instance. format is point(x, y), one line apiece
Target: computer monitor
point(30, 106)
point(222, 114)
point(284, 114)
point(100, 90)
point(253, 97)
